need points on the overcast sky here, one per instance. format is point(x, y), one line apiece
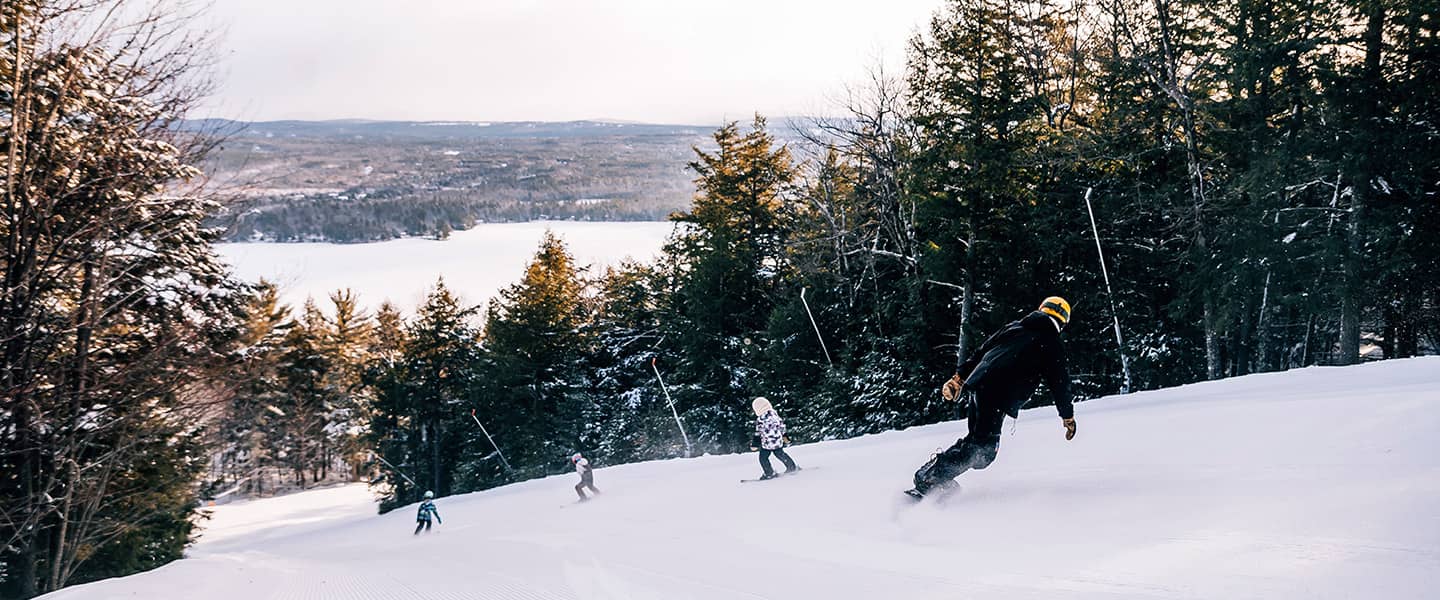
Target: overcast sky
point(672, 61)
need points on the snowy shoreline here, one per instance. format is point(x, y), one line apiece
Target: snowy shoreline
point(475, 263)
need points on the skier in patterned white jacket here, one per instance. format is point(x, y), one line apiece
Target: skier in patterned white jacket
point(770, 436)
point(587, 476)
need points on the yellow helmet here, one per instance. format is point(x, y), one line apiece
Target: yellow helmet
point(1057, 307)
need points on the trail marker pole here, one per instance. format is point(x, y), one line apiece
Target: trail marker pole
point(1119, 343)
point(817, 327)
point(492, 441)
point(394, 468)
point(688, 451)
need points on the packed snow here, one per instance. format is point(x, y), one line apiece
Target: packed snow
point(1316, 483)
point(476, 263)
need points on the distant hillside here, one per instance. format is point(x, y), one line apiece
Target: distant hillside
point(356, 181)
point(447, 129)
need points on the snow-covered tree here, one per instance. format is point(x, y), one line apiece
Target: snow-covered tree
point(117, 321)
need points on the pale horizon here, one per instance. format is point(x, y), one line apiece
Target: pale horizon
point(644, 61)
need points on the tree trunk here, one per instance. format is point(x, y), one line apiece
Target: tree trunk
point(967, 300)
point(434, 458)
point(1368, 138)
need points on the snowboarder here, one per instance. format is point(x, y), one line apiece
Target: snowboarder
point(587, 476)
point(427, 509)
point(999, 378)
point(770, 436)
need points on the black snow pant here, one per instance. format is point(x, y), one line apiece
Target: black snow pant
point(422, 524)
point(985, 419)
point(587, 480)
point(780, 454)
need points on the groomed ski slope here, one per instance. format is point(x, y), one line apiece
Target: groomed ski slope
point(1317, 483)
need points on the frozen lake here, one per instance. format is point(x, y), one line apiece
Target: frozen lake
point(475, 263)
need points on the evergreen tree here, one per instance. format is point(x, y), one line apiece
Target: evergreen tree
point(389, 331)
point(420, 420)
point(347, 344)
point(995, 223)
point(633, 420)
point(249, 431)
point(536, 393)
point(115, 314)
point(730, 259)
point(303, 371)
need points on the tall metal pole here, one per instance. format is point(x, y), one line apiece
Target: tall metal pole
point(1119, 343)
point(688, 451)
point(817, 327)
point(492, 440)
point(394, 468)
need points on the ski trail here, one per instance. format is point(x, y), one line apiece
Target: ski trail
point(1248, 488)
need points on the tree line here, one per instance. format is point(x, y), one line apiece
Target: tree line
point(1262, 178)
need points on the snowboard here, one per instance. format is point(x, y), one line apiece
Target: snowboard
point(940, 495)
point(780, 475)
point(942, 491)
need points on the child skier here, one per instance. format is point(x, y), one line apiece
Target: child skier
point(587, 476)
point(427, 508)
point(770, 434)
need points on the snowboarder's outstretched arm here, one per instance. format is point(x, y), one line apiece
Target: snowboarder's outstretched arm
point(963, 368)
point(1058, 380)
point(436, 512)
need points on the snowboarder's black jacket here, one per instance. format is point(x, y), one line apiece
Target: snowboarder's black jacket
point(1008, 366)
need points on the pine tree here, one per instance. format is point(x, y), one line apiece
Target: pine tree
point(420, 418)
point(730, 258)
point(389, 333)
point(116, 317)
point(249, 430)
point(990, 205)
point(536, 389)
point(347, 345)
point(303, 371)
point(632, 417)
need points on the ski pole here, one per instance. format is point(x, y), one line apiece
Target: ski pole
point(688, 450)
point(817, 327)
point(492, 441)
point(1124, 362)
point(394, 468)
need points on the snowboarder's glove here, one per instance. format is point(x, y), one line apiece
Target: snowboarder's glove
point(1069, 429)
point(951, 390)
point(785, 440)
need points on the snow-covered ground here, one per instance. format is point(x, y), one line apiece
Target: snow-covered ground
point(1318, 483)
point(475, 263)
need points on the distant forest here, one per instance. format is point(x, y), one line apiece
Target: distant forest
point(349, 181)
